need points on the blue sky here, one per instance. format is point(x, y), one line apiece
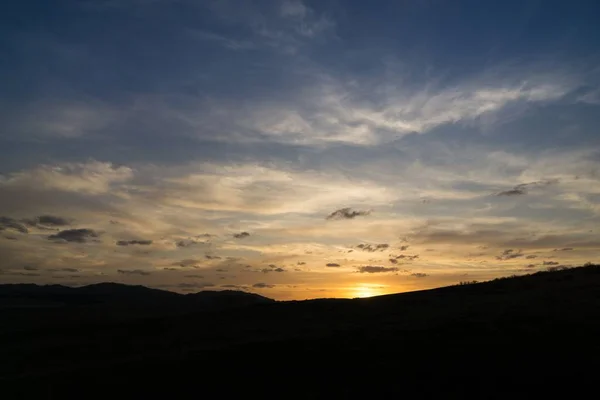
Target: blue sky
point(140, 138)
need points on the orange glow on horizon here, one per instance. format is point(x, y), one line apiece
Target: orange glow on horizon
point(366, 291)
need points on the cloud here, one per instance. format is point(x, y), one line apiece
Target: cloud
point(419, 275)
point(241, 235)
point(93, 177)
point(30, 268)
point(80, 235)
point(10, 223)
point(332, 265)
point(564, 249)
point(346, 213)
point(191, 242)
point(368, 110)
point(272, 268)
point(407, 257)
point(13, 273)
point(550, 263)
point(261, 285)
point(194, 276)
point(512, 192)
point(521, 189)
point(308, 24)
point(373, 247)
point(188, 262)
point(48, 220)
point(530, 256)
point(63, 270)
point(232, 286)
point(134, 242)
point(372, 269)
point(133, 272)
point(509, 254)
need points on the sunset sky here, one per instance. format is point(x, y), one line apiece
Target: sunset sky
point(297, 149)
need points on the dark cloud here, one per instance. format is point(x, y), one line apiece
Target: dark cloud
point(188, 262)
point(63, 270)
point(170, 269)
point(10, 223)
point(189, 242)
point(550, 263)
point(262, 285)
point(512, 192)
point(194, 276)
point(564, 249)
point(134, 242)
point(509, 254)
point(20, 273)
point(347, 213)
point(301, 263)
point(133, 272)
point(238, 287)
point(47, 220)
point(407, 257)
point(530, 256)
point(241, 235)
point(267, 270)
point(393, 261)
point(373, 247)
point(30, 268)
point(209, 257)
point(419, 275)
point(522, 188)
point(531, 266)
point(373, 269)
point(332, 265)
point(81, 235)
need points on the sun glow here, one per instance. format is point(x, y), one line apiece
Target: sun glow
point(366, 291)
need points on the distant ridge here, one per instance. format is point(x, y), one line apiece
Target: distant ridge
point(110, 293)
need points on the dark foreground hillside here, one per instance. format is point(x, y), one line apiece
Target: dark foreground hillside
point(533, 336)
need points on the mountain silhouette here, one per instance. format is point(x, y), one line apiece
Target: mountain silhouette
point(109, 293)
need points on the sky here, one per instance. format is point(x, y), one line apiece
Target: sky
point(297, 149)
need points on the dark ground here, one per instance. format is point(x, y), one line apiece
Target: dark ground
point(532, 336)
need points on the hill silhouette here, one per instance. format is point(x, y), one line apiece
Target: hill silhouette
point(534, 335)
point(109, 293)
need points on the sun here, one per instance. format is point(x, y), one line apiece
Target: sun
point(365, 291)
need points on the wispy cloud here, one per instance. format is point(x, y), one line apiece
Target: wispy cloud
point(133, 272)
point(374, 269)
point(347, 213)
